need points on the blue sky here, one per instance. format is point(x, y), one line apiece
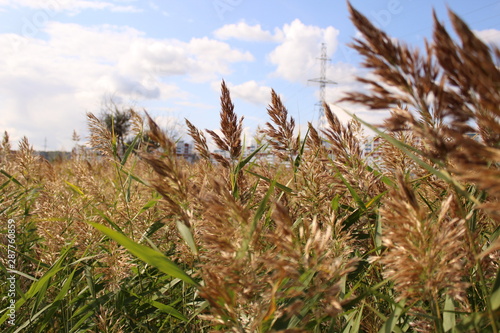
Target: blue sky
point(63, 58)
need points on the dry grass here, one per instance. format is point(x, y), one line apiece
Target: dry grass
point(322, 240)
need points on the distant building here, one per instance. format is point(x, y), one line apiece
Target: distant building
point(372, 151)
point(184, 148)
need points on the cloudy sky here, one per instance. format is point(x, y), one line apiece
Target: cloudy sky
point(63, 58)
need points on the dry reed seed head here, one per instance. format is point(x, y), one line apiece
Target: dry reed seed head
point(5, 142)
point(427, 254)
point(445, 97)
point(105, 321)
point(343, 142)
point(159, 137)
point(281, 133)
point(314, 142)
point(389, 61)
point(283, 230)
point(27, 161)
point(171, 175)
point(410, 72)
point(200, 142)
point(471, 69)
point(137, 122)
point(230, 126)
point(100, 137)
point(393, 160)
point(292, 257)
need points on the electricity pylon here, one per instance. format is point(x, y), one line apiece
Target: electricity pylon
point(323, 81)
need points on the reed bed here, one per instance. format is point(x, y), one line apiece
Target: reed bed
point(323, 239)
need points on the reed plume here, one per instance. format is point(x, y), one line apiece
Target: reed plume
point(230, 126)
point(281, 134)
point(200, 142)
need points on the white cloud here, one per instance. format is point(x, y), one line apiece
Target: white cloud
point(489, 36)
point(252, 92)
point(243, 31)
point(296, 57)
point(72, 6)
point(51, 83)
point(212, 58)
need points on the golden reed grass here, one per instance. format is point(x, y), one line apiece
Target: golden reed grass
point(322, 239)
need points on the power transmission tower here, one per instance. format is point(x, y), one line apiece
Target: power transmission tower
point(322, 80)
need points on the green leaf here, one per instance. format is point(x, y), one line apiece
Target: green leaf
point(186, 234)
point(41, 284)
point(151, 230)
point(298, 159)
point(146, 254)
point(90, 281)
point(11, 178)
point(74, 188)
point(105, 217)
point(354, 194)
point(351, 219)
point(449, 321)
point(258, 215)
point(495, 293)
point(353, 320)
point(244, 162)
point(148, 205)
point(393, 319)
point(67, 284)
point(357, 321)
point(162, 307)
point(335, 202)
point(378, 234)
point(130, 149)
point(278, 185)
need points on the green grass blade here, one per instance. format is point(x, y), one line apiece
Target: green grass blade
point(393, 318)
point(107, 219)
point(449, 320)
point(187, 235)
point(354, 194)
point(244, 162)
point(298, 159)
point(149, 204)
point(74, 188)
point(278, 185)
point(495, 293)
point(130, 149)
point(39, 284)
point(11, 178)
point(258, 215)
point(162, 307)
point(146, 254)
point(151, 230)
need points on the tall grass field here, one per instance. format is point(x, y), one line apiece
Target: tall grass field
point(323, 237)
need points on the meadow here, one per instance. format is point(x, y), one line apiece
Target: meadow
point(132, 238)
